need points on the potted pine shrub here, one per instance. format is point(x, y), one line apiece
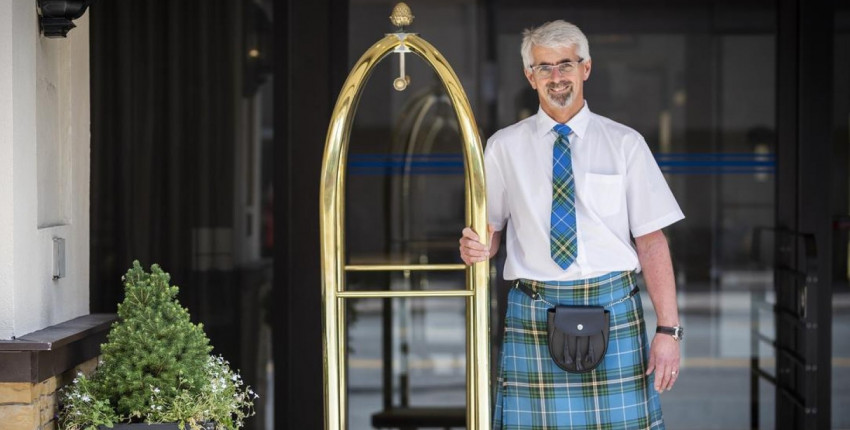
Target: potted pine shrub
point(156, 369)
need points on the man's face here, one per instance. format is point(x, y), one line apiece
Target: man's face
point(556, 89)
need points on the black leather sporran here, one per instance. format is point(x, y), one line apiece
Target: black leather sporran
point(578, 336)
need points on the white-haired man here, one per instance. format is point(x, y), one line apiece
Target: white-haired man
point(582, 202)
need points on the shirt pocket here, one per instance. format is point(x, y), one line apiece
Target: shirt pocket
point(605, 193)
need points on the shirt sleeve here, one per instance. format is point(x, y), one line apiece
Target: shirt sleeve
point(651, 204)
point(497, 203)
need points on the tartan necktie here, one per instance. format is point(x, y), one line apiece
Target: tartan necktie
point(562, 230)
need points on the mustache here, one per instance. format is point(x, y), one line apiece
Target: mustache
point(552, 85)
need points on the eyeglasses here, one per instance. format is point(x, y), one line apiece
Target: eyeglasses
point(545, 70)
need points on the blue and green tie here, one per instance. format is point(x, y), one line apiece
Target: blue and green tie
point(563, 244)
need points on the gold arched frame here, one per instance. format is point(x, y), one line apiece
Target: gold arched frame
point(332, 235)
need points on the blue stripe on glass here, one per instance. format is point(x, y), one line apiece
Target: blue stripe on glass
point(671, 163)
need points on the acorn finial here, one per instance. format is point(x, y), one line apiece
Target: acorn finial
point(402, 16)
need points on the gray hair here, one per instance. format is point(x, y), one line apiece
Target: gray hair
point(554, 34)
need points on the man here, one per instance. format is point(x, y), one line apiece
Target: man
point(573, 188)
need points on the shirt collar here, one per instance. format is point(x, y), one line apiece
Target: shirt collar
point(578, 123)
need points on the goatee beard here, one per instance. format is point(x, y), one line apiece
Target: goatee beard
point(559, 100)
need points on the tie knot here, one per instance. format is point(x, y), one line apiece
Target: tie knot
point(563, 130)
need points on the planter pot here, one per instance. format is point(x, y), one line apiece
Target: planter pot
point(143, 426)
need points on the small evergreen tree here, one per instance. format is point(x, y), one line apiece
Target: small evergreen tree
point(156, 367)
point(153, 346)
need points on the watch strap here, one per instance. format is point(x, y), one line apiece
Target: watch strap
point(676, 331)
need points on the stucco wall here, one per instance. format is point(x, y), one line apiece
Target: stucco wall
point(44, 171)
point(7, 294)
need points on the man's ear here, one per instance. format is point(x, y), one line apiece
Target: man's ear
point(530, 77)
point(587, 66)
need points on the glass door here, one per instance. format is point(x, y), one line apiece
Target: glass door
point(841, 225)
point(698, 81)
point(699, 85)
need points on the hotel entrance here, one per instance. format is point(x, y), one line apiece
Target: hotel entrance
point(707, 85)
point(745, 105)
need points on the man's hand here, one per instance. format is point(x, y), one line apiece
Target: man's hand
point(472, 250)
point(664, 361)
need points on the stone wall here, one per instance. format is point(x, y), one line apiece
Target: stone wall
point(34, 367)
point(33, 406)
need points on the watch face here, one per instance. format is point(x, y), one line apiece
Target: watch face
point(679, 332)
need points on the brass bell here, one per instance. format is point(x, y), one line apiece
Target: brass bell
point(400, 84)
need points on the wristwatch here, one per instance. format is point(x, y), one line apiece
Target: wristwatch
point(676, 331)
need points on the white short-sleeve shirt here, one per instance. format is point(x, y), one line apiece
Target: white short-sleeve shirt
point(620, 194)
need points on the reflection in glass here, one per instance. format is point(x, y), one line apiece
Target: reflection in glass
point(406, 354)
point(841, 235)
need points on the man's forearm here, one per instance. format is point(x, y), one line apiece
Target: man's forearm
point(654, 256)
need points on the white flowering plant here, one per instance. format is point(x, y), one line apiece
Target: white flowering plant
point(225, 400)
point(156, 367)
point(81, 409)
point(223, 403)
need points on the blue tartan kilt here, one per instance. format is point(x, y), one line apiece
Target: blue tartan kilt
point(532, 393)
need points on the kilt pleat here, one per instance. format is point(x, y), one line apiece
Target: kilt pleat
point(532, 393)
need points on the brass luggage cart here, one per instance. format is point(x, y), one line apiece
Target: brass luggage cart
point(332, 211)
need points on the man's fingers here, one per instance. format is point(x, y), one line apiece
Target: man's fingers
point(662, 378)
point(471, 249)
point(471, 240)
point(651, 366)
point(658, 368)
point(473, 253)
point(470, 234)
point(674, 374)
point(659, 378)
point(470, 257)
point(665, 376)
point(472, 245)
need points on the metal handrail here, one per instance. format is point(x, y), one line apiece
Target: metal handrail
point(785, 265)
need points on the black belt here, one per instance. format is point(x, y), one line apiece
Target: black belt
point(534, 295)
